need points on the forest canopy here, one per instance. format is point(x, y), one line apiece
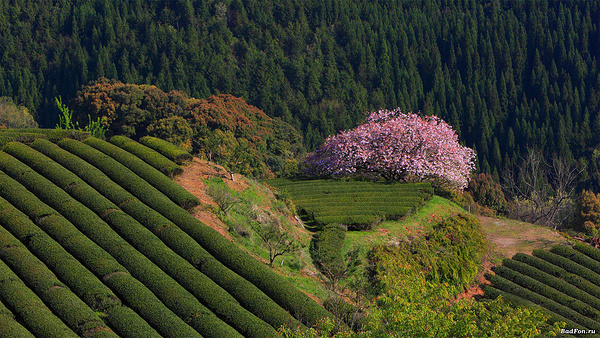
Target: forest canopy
point(505, 74)
point(223, 128)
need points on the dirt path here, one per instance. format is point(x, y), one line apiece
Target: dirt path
point(509, 237)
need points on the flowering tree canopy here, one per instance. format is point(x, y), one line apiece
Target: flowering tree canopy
point(396, 146)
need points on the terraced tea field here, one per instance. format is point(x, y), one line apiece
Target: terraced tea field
point(353, 203)
point(96, 242)
point(564, 281)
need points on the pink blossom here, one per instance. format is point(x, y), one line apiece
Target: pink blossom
point(396, 146)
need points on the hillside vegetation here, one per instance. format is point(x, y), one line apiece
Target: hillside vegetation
point(96, 242)
point(564, 281)
point(356, 204)
point(505, 74)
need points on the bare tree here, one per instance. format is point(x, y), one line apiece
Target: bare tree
point(272, 232)
point(542, 192)
point(224, 199)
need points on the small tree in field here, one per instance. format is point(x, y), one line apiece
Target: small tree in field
point(396, 146)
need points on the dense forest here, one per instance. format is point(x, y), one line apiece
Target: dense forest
point(505, 74)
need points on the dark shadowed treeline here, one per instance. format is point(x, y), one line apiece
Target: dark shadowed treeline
point(504, 74)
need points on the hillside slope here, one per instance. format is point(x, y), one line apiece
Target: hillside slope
point(91, 247)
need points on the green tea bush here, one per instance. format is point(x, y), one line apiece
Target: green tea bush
point(157, 179)
point(9, 327)
point(149, 155)
point(29, 307)
point(99, 262)
point(93, 227)
point(568, 265)
point(357, 204)
point(153, 248)
point(144, 301)
point(547, 291)
point(557, 283)
point(588, 250)
point(577, 256)
point(492, 293)
point(247, 294)
point(168, 149)
point(275, 286)
point(510, 287)
point(127, 323)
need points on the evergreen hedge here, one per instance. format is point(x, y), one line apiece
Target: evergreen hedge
point(577, 256)
point(568, 265)
point(9, 326)
point(55, 294)
point(87, 286)
point(272, 284)
point(588, 250)
point(510, 287)
point(151, 175)
point(547, 291)
point(492, 293)
point(166, 288)
point(95, 259)
point(149, 155)
point(203, 288)
point(168, 149)
point(26, 305)
point(549, 280)
point(246, 293)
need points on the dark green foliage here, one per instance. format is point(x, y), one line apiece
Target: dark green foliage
point(547, 291)
point(149, 155)
point(9, 326)
point(492, 293)
point(554, 282)
point(275, 286)
point(168, 149)
point(569, 265)
point(151, 249)
point(588, 250)
point(577, 257)
point(358, 204)
point(144, 301)
point(326, 251)
point(99, 262)
point(29, 307)
point(247, 294)
point(127, 323)
point(510, 287)
point(161, 182)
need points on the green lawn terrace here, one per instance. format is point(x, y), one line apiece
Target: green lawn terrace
point(94, 241)
point(564, 281)
point(357, 204)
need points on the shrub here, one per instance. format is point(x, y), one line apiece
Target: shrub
point(492, 293)
point(275, 286)
point(487, 193)
point(168, 149)
point(29, 307)
point(577, 257)
point(552, 281)
point(568, 265)
point(148, 243)
point(127, 323)
point(143, 301)
point(547, 291)
point(510, 287)
point(149, 155)
point(9, 327)
point(161, 182)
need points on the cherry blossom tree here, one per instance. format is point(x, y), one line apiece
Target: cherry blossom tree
point(396, 146)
